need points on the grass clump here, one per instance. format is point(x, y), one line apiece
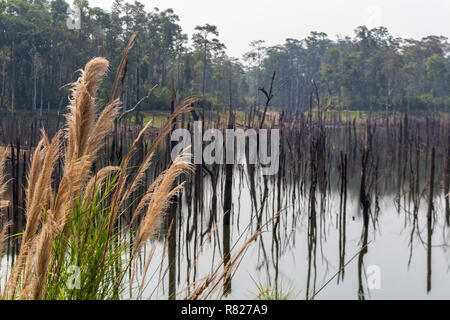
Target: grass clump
point(71, 247)
point(267, 292)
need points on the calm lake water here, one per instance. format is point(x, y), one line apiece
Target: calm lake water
point(399, 255)
point(398, 252)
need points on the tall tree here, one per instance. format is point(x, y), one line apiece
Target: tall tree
point(207, 46)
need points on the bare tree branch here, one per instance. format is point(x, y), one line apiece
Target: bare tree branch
point(137, 104)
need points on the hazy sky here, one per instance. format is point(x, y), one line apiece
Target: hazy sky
point(241, 21)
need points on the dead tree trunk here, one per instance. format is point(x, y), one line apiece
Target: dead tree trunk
point(431, 186)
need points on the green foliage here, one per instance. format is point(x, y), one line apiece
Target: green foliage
point(266, 292)
point(86, 266)
point(160, 99)
point(371, 71)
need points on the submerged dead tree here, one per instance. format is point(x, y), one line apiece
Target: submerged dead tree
point(363, 192)
point(431, 184)
point(269, 96)
point(342, 213)
point(447, 183)
point(228, 196)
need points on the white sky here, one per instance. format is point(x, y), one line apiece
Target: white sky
point(242, 21)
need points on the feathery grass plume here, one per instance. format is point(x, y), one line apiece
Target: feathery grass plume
point(122, 192)
point(122, 64)
point(81, 118)
point(96, 182)
point(212, 281)
point(102, 127)
point(160, 199)
point(85, 134)
point(184, 107)
point(42, 258)
point(25, 290)
point(2, 191)
point(84, 137)
point(68, 194)
point(74, 224)
point(35, 168)
point(146, 198)
point(2, 173)
point(39, 197)
point(2, 239)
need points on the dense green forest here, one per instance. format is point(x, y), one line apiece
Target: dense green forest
point(372, 70)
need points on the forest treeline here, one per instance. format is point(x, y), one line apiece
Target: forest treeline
point(370, 71)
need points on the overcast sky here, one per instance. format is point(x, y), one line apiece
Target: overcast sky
point(241, 21)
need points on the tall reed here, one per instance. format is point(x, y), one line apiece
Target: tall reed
point(71, 228)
